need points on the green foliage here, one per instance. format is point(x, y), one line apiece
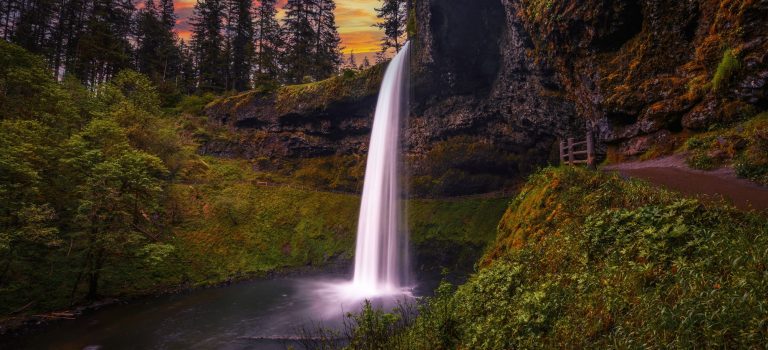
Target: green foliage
point(744, 145)
point(28, 91)
point(338, 173)
point(729, 65)
point(322, 93)
point(411, 27)
point(464, 165)
point(119, 204)
point(193, 104)
point(465, 221)
point(83, 176)
point(590, 260)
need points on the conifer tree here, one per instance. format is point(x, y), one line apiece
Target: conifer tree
point(394, 14)
point(241, 44)
point(268, 43)
point(312, 40)
point(299, 40)
point(156, 54)
point(207, 41)
point(352, 63)
point(186, 80)
point(366, 63)
point(33, 26)
point(328, 51)
point(167, 14)
point(104, 47)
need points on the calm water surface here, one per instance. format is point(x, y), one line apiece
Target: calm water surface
point(250, 315)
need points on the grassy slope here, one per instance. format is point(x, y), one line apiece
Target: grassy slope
point(585, 259)
point(228, 228)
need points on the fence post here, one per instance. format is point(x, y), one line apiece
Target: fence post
point(562, 152)
point(571, 157)
point(590, 151)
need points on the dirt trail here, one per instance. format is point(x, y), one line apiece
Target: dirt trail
point(673, 173)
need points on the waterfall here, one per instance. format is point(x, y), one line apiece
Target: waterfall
point(381, 255)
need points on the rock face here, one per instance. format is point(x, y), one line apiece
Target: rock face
point(483, 112)
point(317, 119)
point(496, 82)
point(642, 71)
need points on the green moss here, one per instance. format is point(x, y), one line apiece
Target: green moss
point(728, 66)
point(411, 27)
point(318, 95)
point(228, 226)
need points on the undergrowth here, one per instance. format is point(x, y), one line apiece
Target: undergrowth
point(590, 260)
point(745, 146)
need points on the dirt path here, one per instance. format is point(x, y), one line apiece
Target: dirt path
point(673, 173)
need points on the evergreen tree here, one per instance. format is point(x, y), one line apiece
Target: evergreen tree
point(242, 44)
point(104, 47)
point(207, 39)
point(268, 43)
point(33, 26)
point(394, 14)
point(328, 56)
point(312, 40)
point(299, 37)
point(352, 63)
point(187, 78)
point(157, 55)
point(149, 36)
point(366, 63)
point(169, 50)
point(167, 14)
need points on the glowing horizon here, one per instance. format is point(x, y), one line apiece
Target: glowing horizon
point(355, 19)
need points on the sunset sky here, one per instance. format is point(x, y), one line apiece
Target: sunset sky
point(354, 18)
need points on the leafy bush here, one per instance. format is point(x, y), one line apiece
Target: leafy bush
point(745, 145)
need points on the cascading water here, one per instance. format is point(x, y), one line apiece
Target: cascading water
point(381, 255)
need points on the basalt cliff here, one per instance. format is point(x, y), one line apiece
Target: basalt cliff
point(497, 82)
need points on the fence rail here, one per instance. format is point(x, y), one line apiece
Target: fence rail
point(570, 149)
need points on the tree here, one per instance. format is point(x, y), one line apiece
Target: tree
point(33, 28)
point(366, 63)
point(299, 39)
point(268, 43)
point(149, 36)
point(394, 14)
point(242, 44)
point(104, 47)
point(207, 39)
point(328, 51)
point(312, 40)
point(352, 62)
point(187, 78)
point(167, 14)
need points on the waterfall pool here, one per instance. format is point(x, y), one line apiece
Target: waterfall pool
point(259, 314)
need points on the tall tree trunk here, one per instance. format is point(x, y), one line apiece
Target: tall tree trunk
point(94, 274)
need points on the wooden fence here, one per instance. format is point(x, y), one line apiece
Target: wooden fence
point(583, 152)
